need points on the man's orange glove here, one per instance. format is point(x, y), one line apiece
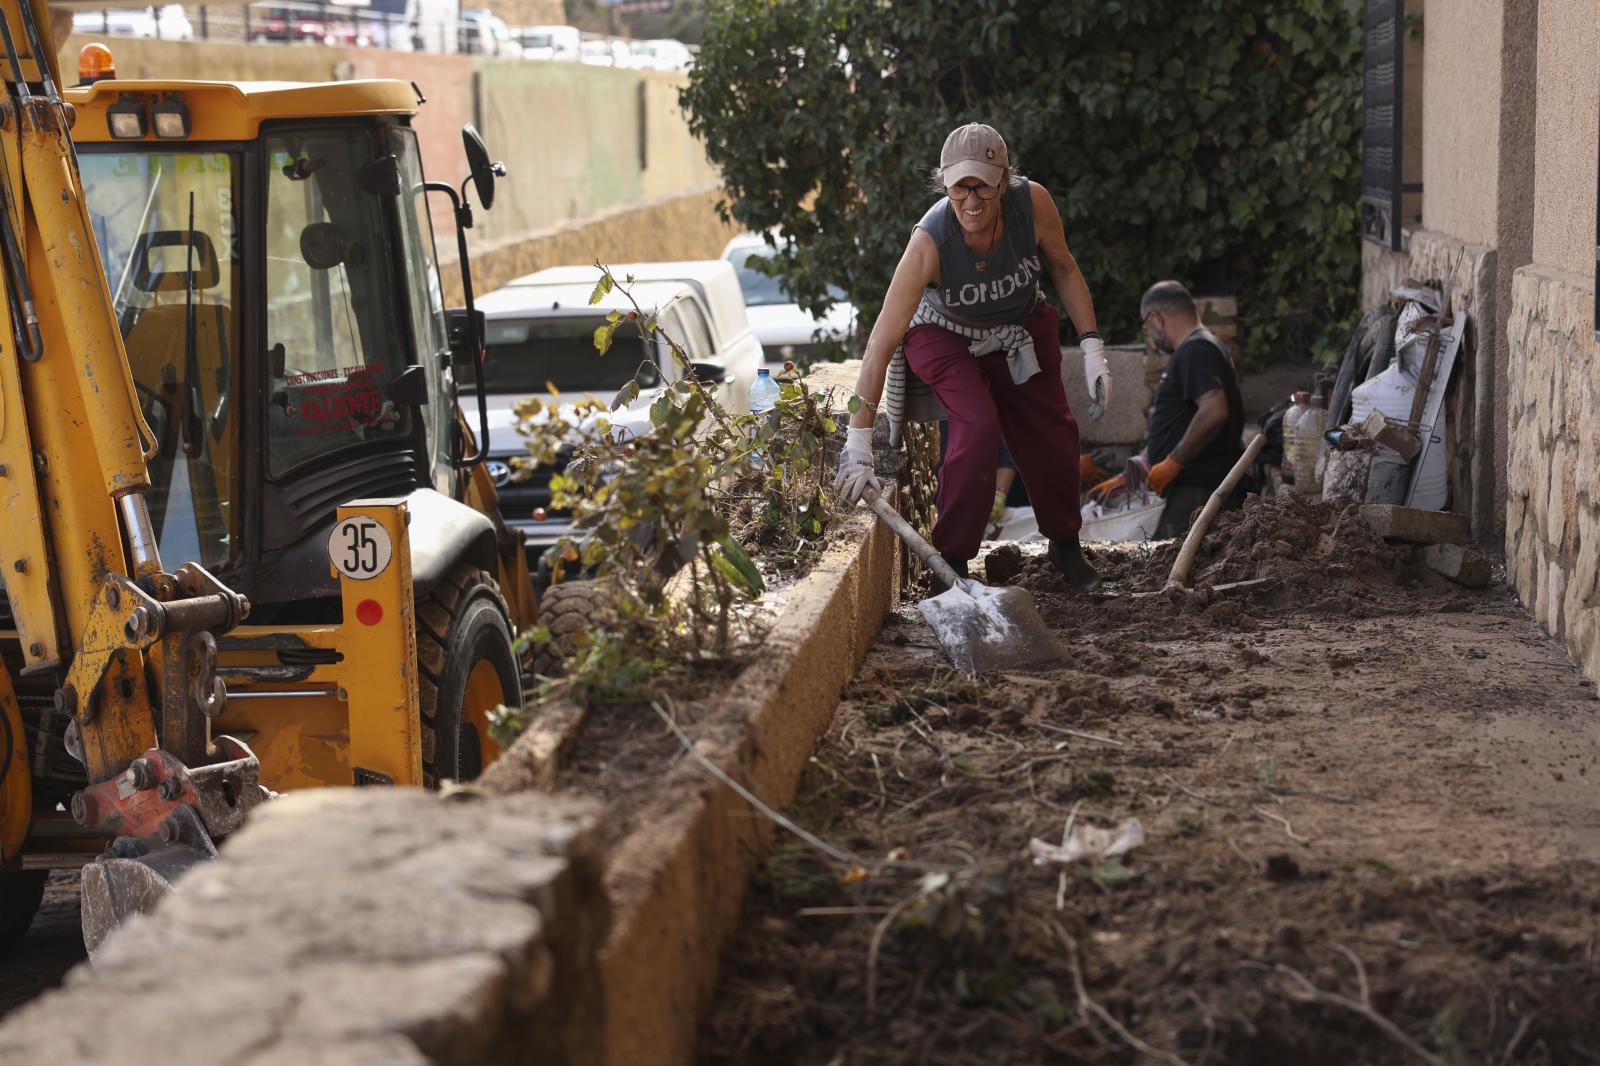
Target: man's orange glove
point(1163, 474)
point(1089, 472)
point(1107, 489)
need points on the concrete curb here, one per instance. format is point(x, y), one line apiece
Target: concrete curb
point(677, 882)
point(354, 926)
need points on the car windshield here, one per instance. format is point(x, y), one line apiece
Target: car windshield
point(168, 235)
point(525, 353)
point(761, 289)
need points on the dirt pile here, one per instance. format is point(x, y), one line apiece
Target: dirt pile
point(1290, 538)
point(1368, 814)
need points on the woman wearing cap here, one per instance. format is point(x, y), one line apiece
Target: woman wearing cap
point(965, 313)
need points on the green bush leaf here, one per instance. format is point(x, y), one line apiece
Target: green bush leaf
point(750, 577)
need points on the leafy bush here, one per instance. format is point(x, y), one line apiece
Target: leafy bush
point(673, 505)
point(1215, 141)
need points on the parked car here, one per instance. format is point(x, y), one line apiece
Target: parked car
point(168, 22)
point(785, 329)
point(604, 52)
point(659, 55)
point(302, 23)
point(541, 329)
point(483, 33)
point(553, 43)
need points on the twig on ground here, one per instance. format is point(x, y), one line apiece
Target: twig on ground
point(1081, 734)
point(1187, 791)
point(1089, 1006)
point(877, 942)
point(1281, 820)
point(837, 912)
point(1363, 1006)
point(1066, 834)
point(883, 793)
point(1516, 1038)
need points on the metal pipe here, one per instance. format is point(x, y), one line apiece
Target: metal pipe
point(282, 694)
point(141, 534)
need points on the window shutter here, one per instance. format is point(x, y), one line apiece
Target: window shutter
point(1384, 99)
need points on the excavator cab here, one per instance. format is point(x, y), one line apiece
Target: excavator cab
point(306, 477)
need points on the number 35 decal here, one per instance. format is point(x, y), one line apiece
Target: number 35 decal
point(359, 548)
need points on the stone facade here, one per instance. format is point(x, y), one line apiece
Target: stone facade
point(1553, 472)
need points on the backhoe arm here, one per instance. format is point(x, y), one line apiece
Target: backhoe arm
point(129, 647)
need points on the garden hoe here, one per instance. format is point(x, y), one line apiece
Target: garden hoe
point(982, 629)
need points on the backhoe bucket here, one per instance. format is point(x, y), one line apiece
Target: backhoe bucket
point(114, 890)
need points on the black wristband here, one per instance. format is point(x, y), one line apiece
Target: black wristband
point(1086, 334)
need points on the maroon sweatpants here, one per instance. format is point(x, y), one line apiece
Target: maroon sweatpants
point(984, 405)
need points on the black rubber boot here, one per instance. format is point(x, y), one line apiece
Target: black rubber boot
point(958, 565)
point(1067, 555)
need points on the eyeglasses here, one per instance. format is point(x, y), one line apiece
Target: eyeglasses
point(959, 193)
point(1144, 323)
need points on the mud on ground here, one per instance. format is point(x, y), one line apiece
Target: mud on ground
point(1372, 831)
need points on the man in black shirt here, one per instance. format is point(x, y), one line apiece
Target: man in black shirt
point(1193, 437)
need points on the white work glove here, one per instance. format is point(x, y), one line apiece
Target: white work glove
point(855, 474)
point(1096, 370)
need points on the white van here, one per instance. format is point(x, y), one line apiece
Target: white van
point(551, 43)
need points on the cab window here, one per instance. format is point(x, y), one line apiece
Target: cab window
point(335, 338)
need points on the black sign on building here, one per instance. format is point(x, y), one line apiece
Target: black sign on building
point(1383, 97)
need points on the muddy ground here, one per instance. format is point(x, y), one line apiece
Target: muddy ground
point(1372, 833)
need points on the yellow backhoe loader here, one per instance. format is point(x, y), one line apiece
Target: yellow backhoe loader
point(249, 542)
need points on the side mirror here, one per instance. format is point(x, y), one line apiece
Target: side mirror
point(409, 388)
point(482, 170)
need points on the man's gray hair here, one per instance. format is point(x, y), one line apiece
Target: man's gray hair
point(1168, 297)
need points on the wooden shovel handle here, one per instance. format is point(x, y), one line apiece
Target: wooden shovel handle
point(921, 548)
point(1197, 532)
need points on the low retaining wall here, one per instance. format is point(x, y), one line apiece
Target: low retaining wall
point(673, 227)
point(354, 926)
point(386, 926)
point(1553, 474)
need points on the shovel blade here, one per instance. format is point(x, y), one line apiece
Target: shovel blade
point(984, 629)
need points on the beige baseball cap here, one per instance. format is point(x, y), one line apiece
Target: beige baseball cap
point(973, 151)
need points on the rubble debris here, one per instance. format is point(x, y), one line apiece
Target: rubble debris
point(1089, 842)
point(1381, 429)
point(1413, 526)
point(1461, 565)
point(1003, 565)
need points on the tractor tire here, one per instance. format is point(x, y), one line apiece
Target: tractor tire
point(467, 668)
point(21, 892)
point(568, 611)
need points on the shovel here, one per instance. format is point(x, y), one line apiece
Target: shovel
point(982, 629)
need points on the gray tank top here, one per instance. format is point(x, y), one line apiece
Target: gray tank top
point(1005, 290)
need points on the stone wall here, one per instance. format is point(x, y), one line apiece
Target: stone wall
point(673, 227)
point(1553, 474)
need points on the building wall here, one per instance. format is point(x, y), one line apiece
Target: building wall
point(1553, 465)
point(1566, 130)
point(1461, 91)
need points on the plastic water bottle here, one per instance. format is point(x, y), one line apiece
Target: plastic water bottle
point(1307, 446)
point(763, 392)
point(1291, 420)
